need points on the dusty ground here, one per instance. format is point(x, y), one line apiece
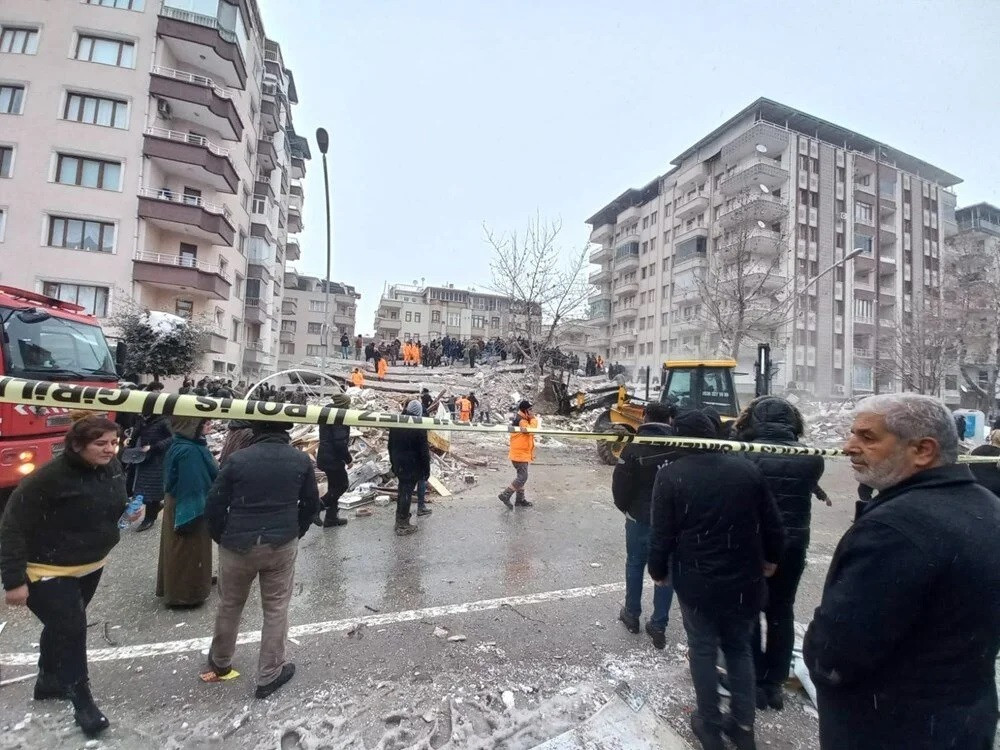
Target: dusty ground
point(392, 683)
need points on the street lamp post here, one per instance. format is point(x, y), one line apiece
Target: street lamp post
point(323, 141)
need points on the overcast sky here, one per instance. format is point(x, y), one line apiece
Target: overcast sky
point(445, 114)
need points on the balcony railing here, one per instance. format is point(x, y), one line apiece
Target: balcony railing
point(190, 138)
point(197, 18)
point(197, 80)
point(162, 194)
point(181, 261)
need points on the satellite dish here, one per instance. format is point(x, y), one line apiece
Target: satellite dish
point(761, 148)
point(764, 189)
point(761, 224)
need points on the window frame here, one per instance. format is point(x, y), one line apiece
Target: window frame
point(101, 179)
point(49, 236)
point(14, 88)
point(98, 99)
point(33, 34)
point(114, 4)
point(5, 147)
point(93, 38)
point(47, 291)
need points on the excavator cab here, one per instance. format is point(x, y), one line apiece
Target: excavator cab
point(694, 384)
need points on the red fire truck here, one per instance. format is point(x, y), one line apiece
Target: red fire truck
point(44, 339)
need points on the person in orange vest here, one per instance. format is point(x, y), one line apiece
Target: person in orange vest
point(464, 408)
point(358, 378)
point(522, 453)
point(407, 354)
point(382, 368)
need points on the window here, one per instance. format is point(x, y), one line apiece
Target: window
point(96, 110)
point(317, 305)
point(234, 333)
point(290, 325)
point(19, 40)
point(409, 316)
point(93, 299)
point(123, 4)
point(478, 321)
point(288, 348)
point(454, 320)
point(11, 99)
point(81, 234)
point(184, 308)
point(435, 316)
point(105, 51)
point(259, 204)
point(3, 222)
point(94, 173)
point(863, 211)
point(416, 317)
point(6, 161)
point(315, 350)
point(316, 328)
point(495, 322)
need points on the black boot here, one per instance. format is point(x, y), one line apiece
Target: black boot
point(741, 737)
point(404, 527)
point(47, 686)
point(708, 734)
point(85, 711)
point(521, 502)
point(505, 498)
point(631, 621)
point(332, 519)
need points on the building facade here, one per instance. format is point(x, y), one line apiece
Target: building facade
point(148, 157)
point(746, 237)
point(302, 318)
point(418, 311)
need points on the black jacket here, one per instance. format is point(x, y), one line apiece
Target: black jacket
point(66, 513)
point(334, 446)
point(633, 478)
point(714, 525)
point(264, 494)
point(987, 475)
point(903, 645)
point(409, 454)
point(792, 479)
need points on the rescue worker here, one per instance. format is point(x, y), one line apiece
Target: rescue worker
point(464, 408)
point(382, 367)
point(522, 453)
point(358, 378)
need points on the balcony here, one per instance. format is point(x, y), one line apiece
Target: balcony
point(627, 313)
point(192, 158)
point(289, 307)
point(601, 254)
point(260, 270)
point(693, 207)
point(262, 230)
point(342, 319)
point(691, 177)
point(626, 288)
point(292, 249)
point(762, 138)
point(198, 99)
point(267, 156)
point(188, 215)
point(295, 224)
point(214, 341)
point(629, 214)
point(286, 337)
point(390, 324)
point(295, 188)
point(756, 240)
point(756, 208)
point(256, 310)
point(862, 190)
point(683, 235)
point(270, 117)
point(626, 262)
point(182, 272)
point(887, 231)
point(256, 354)
point(627, 336)
point(201, 42)
point(263, 187)
point(602, 234)
point(391, 304)
point(758, 171)
point(600, 277)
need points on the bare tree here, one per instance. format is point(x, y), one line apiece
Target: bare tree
point(546, 285)
point(972, 276)
point(923, 351)
point(743, 294)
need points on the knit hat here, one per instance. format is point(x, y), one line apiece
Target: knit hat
point(414, 408)
point(524, 405)
point(693, 423)
point(263, 426)
point(340, 401)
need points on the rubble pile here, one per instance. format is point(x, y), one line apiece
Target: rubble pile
point(827, 422)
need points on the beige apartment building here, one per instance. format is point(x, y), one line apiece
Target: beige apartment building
point(302, 318)
point(419, 311)
point(790, 195)
point(147, 153)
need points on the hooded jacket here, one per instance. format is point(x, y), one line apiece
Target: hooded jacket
point(65, 514)
point(335, 440)
point(714, 525)
point(635, 473)
point(522, 444)
point(264, 494)
point(792, 479)
point(903, 645)
point(188, 473)
point(409, 454)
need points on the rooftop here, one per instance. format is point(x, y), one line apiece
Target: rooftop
point(984, 217)
point(783, 116)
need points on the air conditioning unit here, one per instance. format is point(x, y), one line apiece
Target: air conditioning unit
point(839, 390)
point(163, 108)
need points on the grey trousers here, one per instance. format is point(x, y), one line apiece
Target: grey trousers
point(275, 567)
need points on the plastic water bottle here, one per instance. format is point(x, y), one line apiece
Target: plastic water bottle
point(131, 510)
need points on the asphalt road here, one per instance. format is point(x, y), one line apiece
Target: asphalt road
point(534, 592)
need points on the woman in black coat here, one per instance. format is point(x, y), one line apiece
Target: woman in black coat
point(793, 481)
point(153, 436)
point(55, 536)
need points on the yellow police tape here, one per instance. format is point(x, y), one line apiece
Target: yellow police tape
point(41, 393)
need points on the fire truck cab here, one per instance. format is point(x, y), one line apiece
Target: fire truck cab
point(44, 339)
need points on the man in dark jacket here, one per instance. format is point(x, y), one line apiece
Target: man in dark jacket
point(793, 481)
point(410, 458)
point(260, 505)
point(717, 533)
point(334, 458)
point(632, 489)
point(903, 645)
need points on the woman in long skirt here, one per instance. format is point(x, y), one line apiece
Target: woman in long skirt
point(184, 571)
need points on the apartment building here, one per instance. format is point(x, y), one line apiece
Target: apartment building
point(148, 155)
point(412, 311)
point(302, 318)
point(759, 210)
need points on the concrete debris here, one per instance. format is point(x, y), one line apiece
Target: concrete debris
point(507, 696)
point(456, 638)
point(440, 632)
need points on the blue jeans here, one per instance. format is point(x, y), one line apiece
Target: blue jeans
point(344, 352)
point(636, 554)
